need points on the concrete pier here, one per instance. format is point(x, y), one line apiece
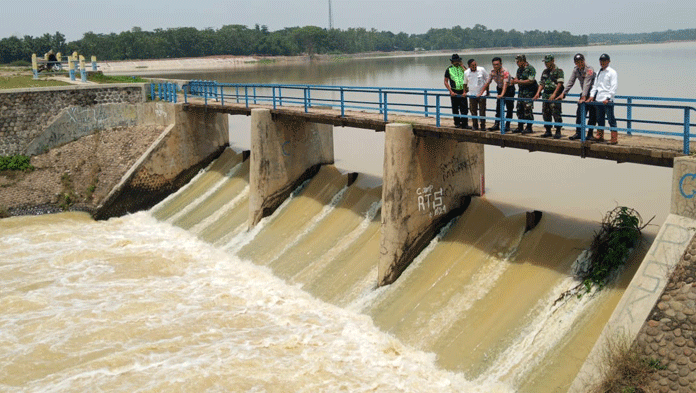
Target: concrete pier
point(284, 153)
point(426, 182)
point(190, 141)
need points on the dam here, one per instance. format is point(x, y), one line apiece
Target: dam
point(167, 299)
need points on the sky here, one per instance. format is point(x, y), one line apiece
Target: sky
point(73, 18)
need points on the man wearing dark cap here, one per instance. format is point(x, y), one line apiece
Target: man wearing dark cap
point(526, 79)
point(551, 84)
point(603, 91)
point(456, 84)
point(505, 89)
point(584, 74)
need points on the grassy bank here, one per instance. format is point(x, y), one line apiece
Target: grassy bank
point(20, 81)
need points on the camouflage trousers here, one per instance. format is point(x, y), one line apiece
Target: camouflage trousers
point(525, 109)
point(552, 109)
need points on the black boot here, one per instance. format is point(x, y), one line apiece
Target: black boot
point(558, 133)
point(528, 130)
point(519, 129)
point(507, 126)
point(465, 125)
point(575, 136)
point(590, 136)
point(496, 127)
point(548, 133)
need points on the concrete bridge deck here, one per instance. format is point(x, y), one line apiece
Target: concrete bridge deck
point(637, 149)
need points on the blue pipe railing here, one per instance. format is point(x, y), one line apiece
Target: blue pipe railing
point(398, 100)
point(166, 92)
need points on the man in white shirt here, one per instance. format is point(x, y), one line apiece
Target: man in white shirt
point(603, 91)
point(477, 77)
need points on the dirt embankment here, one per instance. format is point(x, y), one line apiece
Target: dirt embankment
point(77, 175)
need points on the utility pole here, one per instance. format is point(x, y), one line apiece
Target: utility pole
point(330, 17)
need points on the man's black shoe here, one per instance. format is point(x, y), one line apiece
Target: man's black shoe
point(574, 137)
point(547, 134)
point(494, 128)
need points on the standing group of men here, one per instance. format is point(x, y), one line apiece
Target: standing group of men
point(474, 82)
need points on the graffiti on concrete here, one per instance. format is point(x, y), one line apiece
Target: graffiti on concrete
point(654, 272)
point(687, 185)
point(283, 148)
point(76, 122)
point(430, 201)
point(455, 166)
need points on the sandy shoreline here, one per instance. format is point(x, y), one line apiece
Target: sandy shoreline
point(210, 63)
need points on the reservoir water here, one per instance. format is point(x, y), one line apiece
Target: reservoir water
point(183, 297)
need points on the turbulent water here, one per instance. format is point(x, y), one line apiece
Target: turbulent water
point(185, 297)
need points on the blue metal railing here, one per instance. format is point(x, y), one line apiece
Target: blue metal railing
point(429, 103)
point(164, 91)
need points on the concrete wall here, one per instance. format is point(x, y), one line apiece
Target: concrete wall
point(426, 182)
point(284, 153)
point(684, 187)
point(190, 142)
point(76, 122)
point(25, 113)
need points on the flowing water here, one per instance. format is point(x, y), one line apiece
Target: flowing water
point(184, 297)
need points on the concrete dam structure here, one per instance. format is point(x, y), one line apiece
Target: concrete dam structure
point(423, 257)
point(428, 260)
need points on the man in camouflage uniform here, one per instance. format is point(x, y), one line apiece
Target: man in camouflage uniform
point(526, 79)
point(551, 83)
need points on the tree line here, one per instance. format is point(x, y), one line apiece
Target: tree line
point(643, 38)
point(242, 40)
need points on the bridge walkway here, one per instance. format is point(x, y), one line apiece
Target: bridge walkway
point(639, 149)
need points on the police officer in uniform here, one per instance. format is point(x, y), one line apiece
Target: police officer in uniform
point(584, 74)
point(456, 84)
point(551, 83)
point(526, 79)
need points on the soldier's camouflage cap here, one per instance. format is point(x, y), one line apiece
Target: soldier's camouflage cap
point(521, 57)
point(548, 58)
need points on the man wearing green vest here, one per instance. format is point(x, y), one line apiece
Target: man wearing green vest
point(456, 84)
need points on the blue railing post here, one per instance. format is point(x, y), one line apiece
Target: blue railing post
point(437, 111)
point(425, 101)
point(152, 91)
point(246, 96)
point(185, 88)
point(343, 103)
point(381, 104)
point(254, 95)
point(274, 97)
point(583, 121)
point(687, 130)
point(386, 119)
point(280, 96)
point(205, 92)
point(236, 92)
point(501, 115)
point(629, 114)
point(222, 95)
point(304, 91)
point(309, 96)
